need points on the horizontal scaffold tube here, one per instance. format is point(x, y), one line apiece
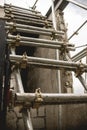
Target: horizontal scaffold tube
point(20, 9)
point(31, 15)
point(51, 98)
point(27, 13)
point(28, 20)
point(80, 55)
point(49, 63)
point(21, 38)
point(36, 44)
point(33, 28)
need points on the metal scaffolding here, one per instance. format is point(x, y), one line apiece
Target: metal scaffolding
point(31, 22)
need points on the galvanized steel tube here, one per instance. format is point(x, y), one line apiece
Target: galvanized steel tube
point(49, 62)
point(52, 98)
point(34, 28)
point(36, 44)
point(39, 40)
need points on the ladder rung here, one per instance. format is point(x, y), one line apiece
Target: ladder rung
point(51, 98)
point(48, 63)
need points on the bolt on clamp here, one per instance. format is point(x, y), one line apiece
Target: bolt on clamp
point(12, 27)
point(79, 71)
point(38, 99)
point(24, 61)
point(16, 42)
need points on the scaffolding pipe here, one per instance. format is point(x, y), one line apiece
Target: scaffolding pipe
point(27, 119)
point(79, 55)
point(17, 75)
point(20, 89)
point(36, 16)
point(47, 31)
point(34, 6)
point(78, 4)
point(34, 44)
point(21, 38)
point(83, 82)
point(45, 61)
point(25, 113)
point(15, 8)
point(80, 76)
point(75, 33)
point(29, 11)
point(51, 98)
point(24, 12)
point(28, 20)
point(18, 81)
point(30, 31)
point(48, 63)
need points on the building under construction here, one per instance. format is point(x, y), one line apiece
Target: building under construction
point(36, 70)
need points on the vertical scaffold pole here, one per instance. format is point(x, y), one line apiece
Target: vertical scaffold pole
point(25, 112)
point(58, 72)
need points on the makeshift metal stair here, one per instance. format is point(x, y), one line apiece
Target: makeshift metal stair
point(23, 28)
